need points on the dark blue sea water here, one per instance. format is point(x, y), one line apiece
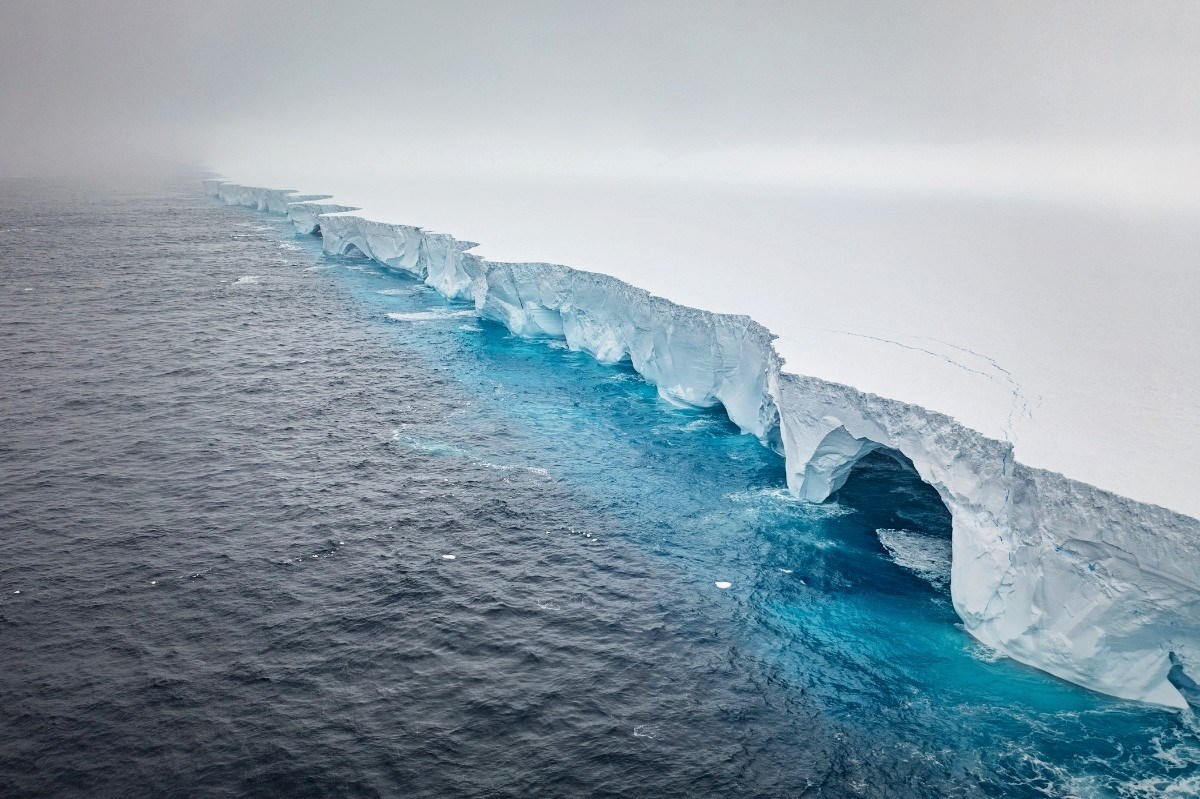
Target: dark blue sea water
point(230, 484)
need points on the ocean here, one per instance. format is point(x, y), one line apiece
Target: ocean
point(275, 523)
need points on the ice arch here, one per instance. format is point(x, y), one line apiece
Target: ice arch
point(350, 249)
point(1036, 571)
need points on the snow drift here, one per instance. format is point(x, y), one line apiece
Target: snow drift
point(1087, 585)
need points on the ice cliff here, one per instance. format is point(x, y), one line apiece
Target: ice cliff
point(1082, 583)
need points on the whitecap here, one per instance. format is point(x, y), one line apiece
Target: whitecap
point(983, 653)
point(246, 280)
point(722, 584)
point(500, 467)
point(449, 557)
point(424, 445)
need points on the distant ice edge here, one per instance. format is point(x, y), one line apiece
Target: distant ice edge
point(1087, 585)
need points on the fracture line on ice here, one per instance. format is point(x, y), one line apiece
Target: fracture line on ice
point(1019, 407)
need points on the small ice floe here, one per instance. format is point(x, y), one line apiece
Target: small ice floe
point(246, 280)
point(722, 584)
point(428, 316)
point(448, 557)
point(926, 556)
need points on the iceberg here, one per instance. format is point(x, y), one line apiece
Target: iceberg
point(1080, 582)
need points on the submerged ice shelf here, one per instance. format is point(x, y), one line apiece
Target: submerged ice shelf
point(1083, 583)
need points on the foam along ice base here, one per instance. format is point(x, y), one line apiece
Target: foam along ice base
point(1084, 583)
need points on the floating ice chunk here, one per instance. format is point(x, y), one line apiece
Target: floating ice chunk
point(448, 557)
point(428, 316)
point(926, 556)
point(722, 584)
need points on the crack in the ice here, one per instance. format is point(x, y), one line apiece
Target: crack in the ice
point(1019, 407)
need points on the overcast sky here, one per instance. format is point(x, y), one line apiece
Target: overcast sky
point(1020, 91)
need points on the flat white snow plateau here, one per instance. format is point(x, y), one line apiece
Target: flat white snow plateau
point(1035, 361)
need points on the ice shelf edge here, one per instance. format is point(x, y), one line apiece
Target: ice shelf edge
point(1090, 586)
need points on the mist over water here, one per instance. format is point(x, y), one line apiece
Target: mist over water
point(234, 470)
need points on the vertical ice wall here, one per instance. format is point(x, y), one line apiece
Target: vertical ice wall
point(1082, 583)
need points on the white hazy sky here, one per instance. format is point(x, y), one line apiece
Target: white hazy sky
point(1015, 185)
point(1096, 99)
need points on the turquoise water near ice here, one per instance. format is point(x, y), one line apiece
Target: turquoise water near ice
point(820, 601)
point(235, 575)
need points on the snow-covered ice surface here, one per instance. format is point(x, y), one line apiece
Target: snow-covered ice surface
point(1035, 363)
